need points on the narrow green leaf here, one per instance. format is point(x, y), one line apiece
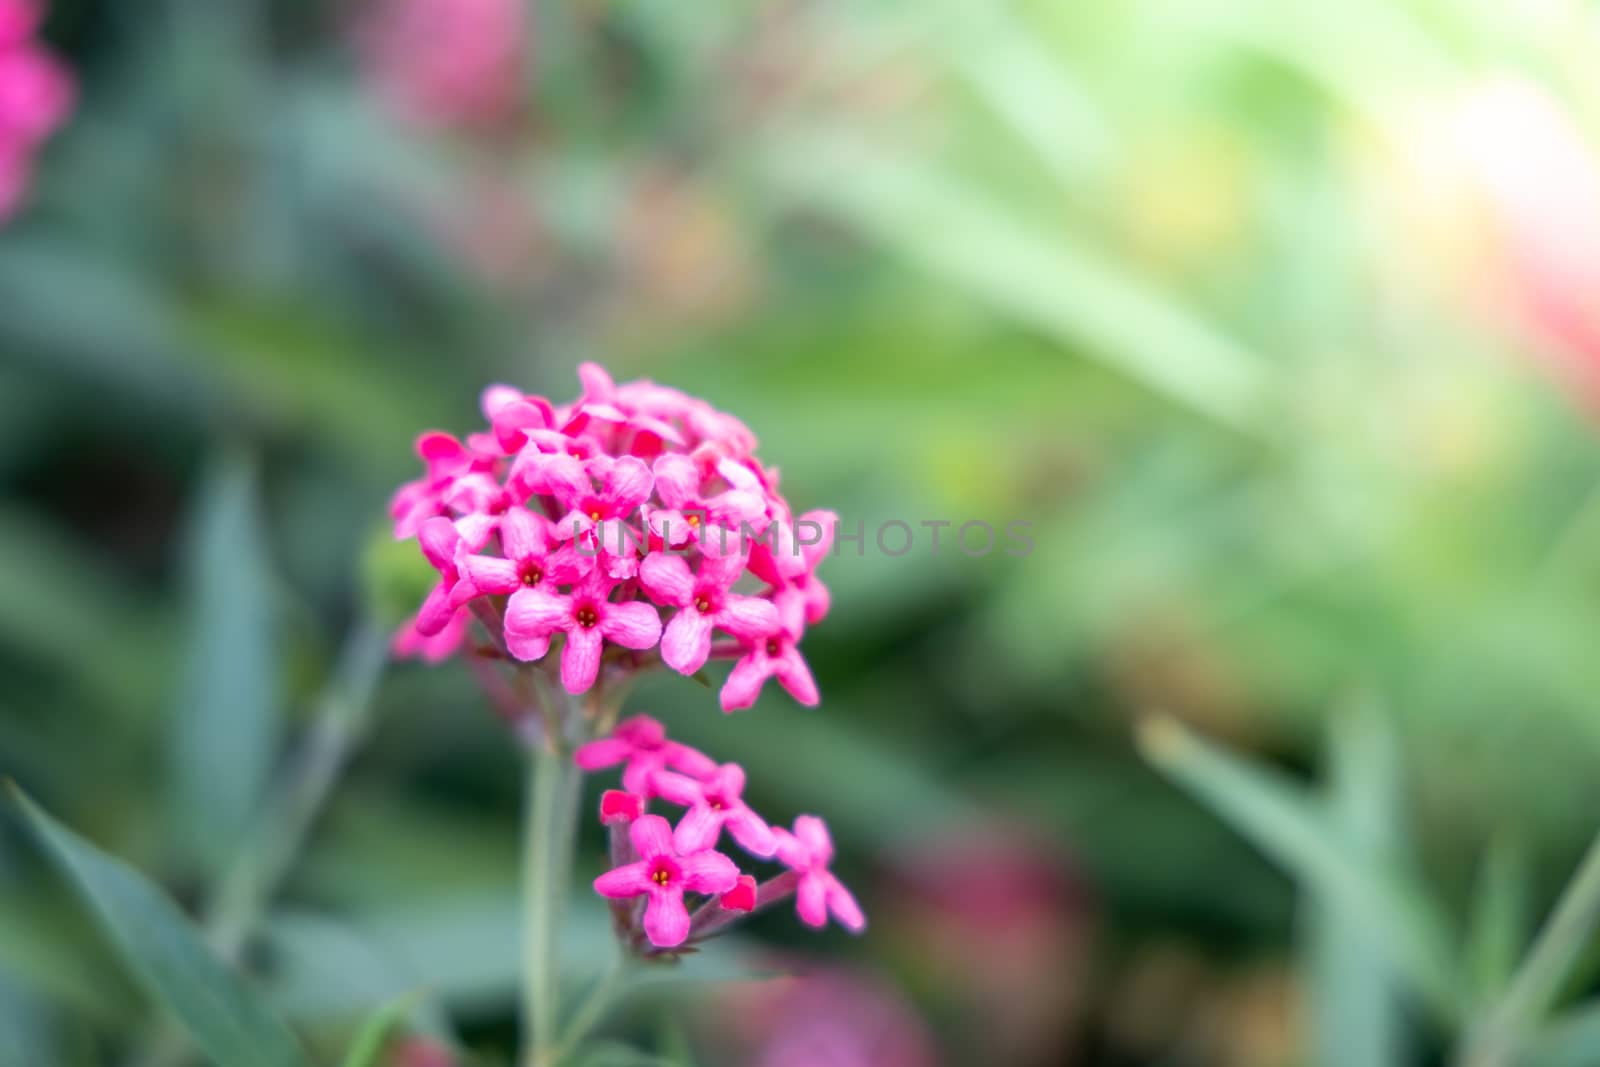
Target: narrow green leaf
point(375, 1033)
point(1498, 930)
point(1572, 1040)
point(1355, 1004)
point(1045, 280)
point(1283, 822)
point(226, 726)
point(221, 1013)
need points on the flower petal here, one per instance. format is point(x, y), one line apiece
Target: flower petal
point(628, 485)
point(751, 831)
point(707, 872)
point(742, 897)
point(598, 755)
point(580, 660)
point(667, 579)
point(678, 788)
point(523, 535)
point(690, 761)
point(624, 882)
point(747, 617)
point(488, 574)
point(686, 644)
point(811, 900)
point(842, 903)
point(677, 480)
point(536, 613)
point(812, 832)
point(651, 836)
point(666, 920)
point(436, 611)
point(745, 681)
point(795, 676)
point(699, 828)
point(438, 539)
point(634, 624)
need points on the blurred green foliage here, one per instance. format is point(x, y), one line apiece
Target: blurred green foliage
point(1123, 272)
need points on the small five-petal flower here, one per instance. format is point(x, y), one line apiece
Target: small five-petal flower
point(808, 851)
point(664, 874)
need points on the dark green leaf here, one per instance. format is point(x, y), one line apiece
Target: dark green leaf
point(223, 1015)
point(226, 727)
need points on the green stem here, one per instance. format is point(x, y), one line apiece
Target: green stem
point(1558, 947)
point(594, 1007)
point(550, 824)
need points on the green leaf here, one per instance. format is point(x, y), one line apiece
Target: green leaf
point(227, 727)
point(375, 1033)
point(1354, 1000)
point(1499, 927)
point(1284, 823)
point(1041, 277)
point(221, 1013)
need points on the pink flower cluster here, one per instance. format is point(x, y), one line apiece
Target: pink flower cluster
point(36, 92)
point(635, 520)
point(446, 62)
point(654, 861)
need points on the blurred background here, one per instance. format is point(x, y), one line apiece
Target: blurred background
point(1279, 323)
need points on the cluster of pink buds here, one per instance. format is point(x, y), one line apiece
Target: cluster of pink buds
point(36, 92)
point(655, 865)
point(445, 62)
point(630, 528)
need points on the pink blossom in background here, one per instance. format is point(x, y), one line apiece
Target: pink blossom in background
point(1006, 922)
point(1540, 174)
point(1500, 185)
point(446, 62)
point(36, 94)
point(822, 1018)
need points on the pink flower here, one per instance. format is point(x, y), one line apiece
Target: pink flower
point(620, 808)
point(36, 94)
point(715, 802)
point(627, 485)
point(664, 874)
point(434, 648)
point(808, 851)
point(441, 543)
point(773, 654)
point(532, 563)
point(704, 603)
point(588, 617)
point(19, 20)
point(801, 597)
point(414, 503)
point(685, 510)
point(742, 897)
point(641, 743)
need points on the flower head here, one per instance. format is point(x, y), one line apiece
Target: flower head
point(664, 874)
point(632, 515)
